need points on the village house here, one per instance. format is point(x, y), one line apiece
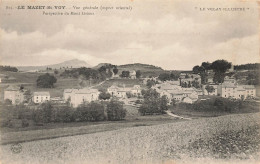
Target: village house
point(190, 100)
point(230, 89)
point(79, 96)
point(189, 79)
point(14, 94)
point(121, 92)
point(132, 74)
point(116, 91)
point(136, 90)
point(145, 80)
point(115, 76)
point(176, 92)
point(40, 97)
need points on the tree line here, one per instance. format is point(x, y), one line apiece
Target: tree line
point(8, 68)
point(50, 113)
point(219, 68)
point(254, 66)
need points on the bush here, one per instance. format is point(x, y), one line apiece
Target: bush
point(6, 123)
point(152, 103)
point(46, 81)
point(138, 102)
point(25, 123)
point(43, 113)
point(129, 95)
point(104, 96)
point(90, 112)
point(115, 111)
point(7, 102)
point(63, 114)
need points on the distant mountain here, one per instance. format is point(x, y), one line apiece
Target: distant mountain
point(74, 63)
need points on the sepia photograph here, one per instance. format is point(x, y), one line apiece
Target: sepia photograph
point(129, 82)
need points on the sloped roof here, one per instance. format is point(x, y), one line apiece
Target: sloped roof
point(41, 93)
point(86, 91)
point(249, 86)
point(229, 85)
point(12, 88)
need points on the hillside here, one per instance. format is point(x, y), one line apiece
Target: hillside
point(146, 69)
point(74, 63)
point(139, 66)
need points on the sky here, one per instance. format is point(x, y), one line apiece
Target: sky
point(172, 34)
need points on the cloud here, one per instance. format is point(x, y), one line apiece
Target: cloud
point(170, 34)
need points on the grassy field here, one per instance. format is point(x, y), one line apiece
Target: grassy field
point(120, 82)
point(29, 81)
point(229, 139)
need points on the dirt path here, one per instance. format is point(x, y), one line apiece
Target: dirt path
point(98, 84)
point(174, 115)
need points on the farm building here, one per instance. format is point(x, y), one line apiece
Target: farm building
point(79, 96)
point(40, 97)
point(14, 94)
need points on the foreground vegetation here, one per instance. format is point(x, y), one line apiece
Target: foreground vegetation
point(215, 106)
point(211, 140)
point(24, 116)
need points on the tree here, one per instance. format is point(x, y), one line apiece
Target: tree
point(150, 83)
point(64, 114)
point(195, 84)
point(21, 87)
point(138, 74)
point(125, 74)
point(104, 96)
point(46, 81)
point(115, 111)
point(173, 76)
point(164, 76)
point(195, 69)
point(90, 112)
point(56, 72)
point(253, 78)
point(163, 104)
point(206, 65)
point(220, 67)
point(8, 102)
point(201, 69)
point(96, 111)
point(209, 89)
point(152, 103)
point(43, 113)
point(115, 70)
point(173, 102)
point(8, 68)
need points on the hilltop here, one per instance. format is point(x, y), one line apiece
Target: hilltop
point(74, 63)
point(139, 66)
point(100, 65)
